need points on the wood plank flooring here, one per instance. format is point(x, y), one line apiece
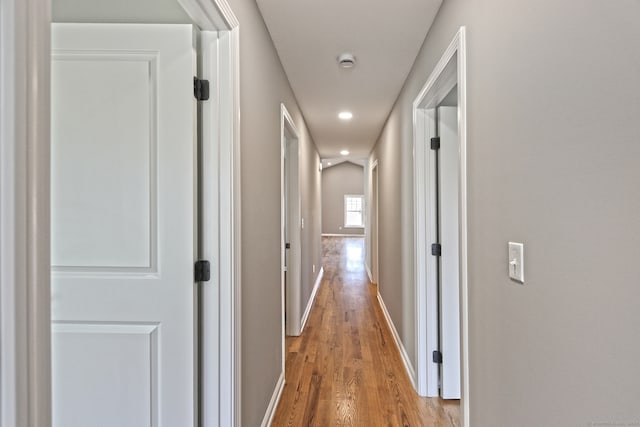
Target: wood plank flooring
point(345, 369)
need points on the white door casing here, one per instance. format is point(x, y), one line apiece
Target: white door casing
point(25, 321)
point(373, 228)
point(450, 71)
point(209, 160)
point(123, 225)
point(449, 261)
point(220, 403)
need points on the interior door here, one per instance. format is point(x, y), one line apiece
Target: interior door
point(448, 169)
point(123, 225)
point(292, 226)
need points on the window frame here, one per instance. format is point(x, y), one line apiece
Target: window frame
point(353, 196)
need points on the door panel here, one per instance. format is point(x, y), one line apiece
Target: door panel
point(123, 225)
point(449, 261)
point(126, 355)
point(92, 140)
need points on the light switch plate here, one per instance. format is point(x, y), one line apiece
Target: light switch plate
point(516, 261)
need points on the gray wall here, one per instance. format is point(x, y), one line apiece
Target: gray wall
point(263, 86)
point(311, 211)
point(338, 180)
point(553, 148)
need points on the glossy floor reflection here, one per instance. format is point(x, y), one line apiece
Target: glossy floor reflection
point(348, 255)
point(345, 370)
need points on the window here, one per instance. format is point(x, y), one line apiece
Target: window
point(353, 211)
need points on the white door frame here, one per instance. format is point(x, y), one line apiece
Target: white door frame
point(25, 325)
point(450, 71)
point(290, 171)
point(372, 245)
point(25, 321)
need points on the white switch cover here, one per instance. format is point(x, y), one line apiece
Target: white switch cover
point(516, 261)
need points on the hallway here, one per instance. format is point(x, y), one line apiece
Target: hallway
point(345, 370)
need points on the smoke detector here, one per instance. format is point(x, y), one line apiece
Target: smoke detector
point(346, 60)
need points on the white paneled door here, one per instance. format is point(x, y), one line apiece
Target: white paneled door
point(123, 191)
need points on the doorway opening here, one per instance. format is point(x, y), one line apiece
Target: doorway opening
point(440, 244)
point(372, 253)
point(291, 223)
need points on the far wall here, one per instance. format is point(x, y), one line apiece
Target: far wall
point(338, 180)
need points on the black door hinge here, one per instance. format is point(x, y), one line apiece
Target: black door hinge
point(287, 245)
point(436, 249)
point(202, 271)
point(201, 89)
point(435, 143)
point(437, 357)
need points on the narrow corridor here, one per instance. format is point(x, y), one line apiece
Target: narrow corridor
point(345, 369)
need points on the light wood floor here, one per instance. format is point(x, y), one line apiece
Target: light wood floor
point(345, 369)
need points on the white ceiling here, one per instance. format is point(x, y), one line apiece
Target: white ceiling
point(384, 36)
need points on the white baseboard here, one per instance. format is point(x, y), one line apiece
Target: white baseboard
point(273, 404)
point(341, 235)
point(312, 298)
point(403, 352)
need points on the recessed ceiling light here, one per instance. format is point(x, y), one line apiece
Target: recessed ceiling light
point(345, 152)
point(329, 164)
point(345, 115)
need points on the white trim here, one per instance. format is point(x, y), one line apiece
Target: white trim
point(230, 229)
point(208, 233)
point(312, 298)
point(408, 366)
point(220, 402)
point(223, 407)
point(25, 321)
point(234, 194)
point(369, 273)
point(370, 263)
point(464, 273)
point(449, 71)
point(273, 403)
point(342, 235)
point(210, 15)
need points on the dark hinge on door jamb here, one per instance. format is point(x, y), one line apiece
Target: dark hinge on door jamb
point(201, 89)
point(435, 143)
point(437, 357)
point(202, 271)
point(436, 249)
